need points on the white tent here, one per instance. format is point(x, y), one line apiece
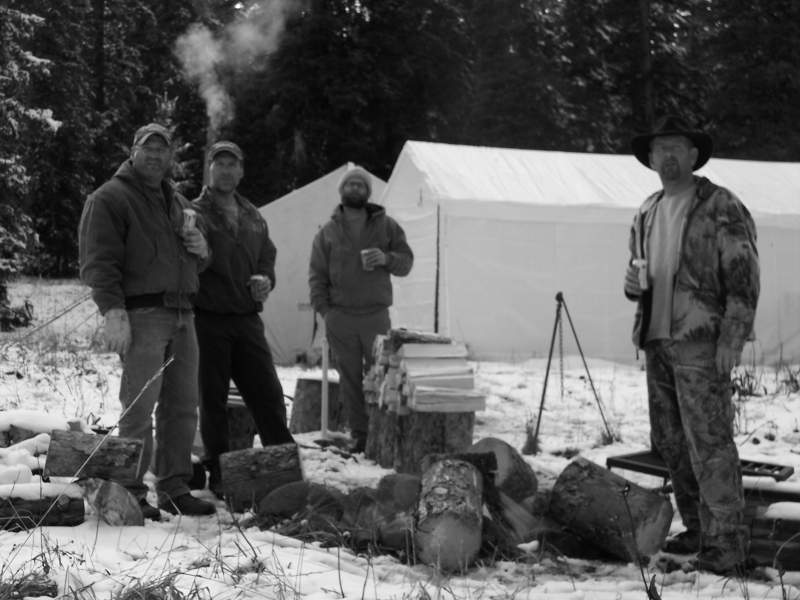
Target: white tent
point(293, 221)
point(498, 232)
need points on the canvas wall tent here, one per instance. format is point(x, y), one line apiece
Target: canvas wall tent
point(293, 221)
point(498, 232)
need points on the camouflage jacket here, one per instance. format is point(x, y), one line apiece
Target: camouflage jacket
point(716, 284)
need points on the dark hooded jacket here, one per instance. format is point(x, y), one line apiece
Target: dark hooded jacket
point(336, 277)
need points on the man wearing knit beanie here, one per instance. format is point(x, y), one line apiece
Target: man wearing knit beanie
point(352, 259)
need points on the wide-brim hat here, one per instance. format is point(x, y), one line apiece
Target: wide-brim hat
point(672, 125)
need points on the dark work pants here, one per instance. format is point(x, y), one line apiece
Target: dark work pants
point(351, 338)
point(234, 347)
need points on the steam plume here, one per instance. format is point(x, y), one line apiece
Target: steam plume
point(205, 57)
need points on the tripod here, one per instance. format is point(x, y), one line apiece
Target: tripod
point(532, 442)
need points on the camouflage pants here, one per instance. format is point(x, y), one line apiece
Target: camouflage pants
point(691, 426)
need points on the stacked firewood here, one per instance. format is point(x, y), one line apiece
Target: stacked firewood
point(421, 372)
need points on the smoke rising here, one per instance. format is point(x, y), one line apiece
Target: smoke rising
point(209, 60)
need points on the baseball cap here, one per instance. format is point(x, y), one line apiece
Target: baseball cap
point(144, 133)
point(225, 146)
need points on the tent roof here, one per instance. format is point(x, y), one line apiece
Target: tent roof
point(547, 177)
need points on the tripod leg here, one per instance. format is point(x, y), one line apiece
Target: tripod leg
point(588, 375)
point(531, 445)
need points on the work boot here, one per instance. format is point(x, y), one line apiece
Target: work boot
point(149, 511)
point(722, 561)
point(186, 504)
point(686, 542)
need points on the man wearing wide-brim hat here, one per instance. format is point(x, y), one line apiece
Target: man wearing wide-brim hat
point(694, 275)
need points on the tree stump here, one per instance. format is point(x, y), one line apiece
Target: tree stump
point(513, 476)
point(420, 434)
point(116, 459)
point(241, 426)
point(250, 474)
point(307, 406)
point(449, 515)
point(628, 521)
point(382, 435)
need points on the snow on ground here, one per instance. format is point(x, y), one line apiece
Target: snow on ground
point(213, 557)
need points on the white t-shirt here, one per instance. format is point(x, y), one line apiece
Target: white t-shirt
point(663, 255)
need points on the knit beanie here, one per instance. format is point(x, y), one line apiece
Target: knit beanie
point(356, 172)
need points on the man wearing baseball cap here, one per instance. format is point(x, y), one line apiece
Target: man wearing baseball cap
point(352, 259)
point(228, 308)
point(694, 275)
point(142, 266)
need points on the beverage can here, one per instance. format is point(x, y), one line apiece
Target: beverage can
point(189, 218)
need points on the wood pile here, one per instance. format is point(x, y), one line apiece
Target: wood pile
point(421, 399)
point(421, 372)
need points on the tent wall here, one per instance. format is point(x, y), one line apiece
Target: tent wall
point(487, 270)
point(293, 222)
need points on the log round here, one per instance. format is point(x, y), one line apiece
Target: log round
point(420, 434)
point(78, 454)
point(307, 406)
point(250, 474)
point(449, 515)
point(590, 501)
point(513, 476)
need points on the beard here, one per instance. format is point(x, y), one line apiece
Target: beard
point(670, 170)
point(354, 200)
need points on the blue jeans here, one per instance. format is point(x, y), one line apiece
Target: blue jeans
point(158, 334)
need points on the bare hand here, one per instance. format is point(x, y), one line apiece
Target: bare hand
point(726, 359)
point(117, 331)
point(372, 257)
point(632, 287)
point(260, 288)
point(195, 242)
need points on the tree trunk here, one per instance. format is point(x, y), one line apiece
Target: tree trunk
point(307, 407)
point(250, 474)
point(116, 459)
point(513, 475)
point(449, 515)
point(628, 521)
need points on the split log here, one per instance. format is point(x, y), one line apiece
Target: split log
point(23, 513)
point(397, 337)
point(307, 406)
point(449, 515)
point(250, 474)
point(627, 520)
point(513, 475)
point(116, 459)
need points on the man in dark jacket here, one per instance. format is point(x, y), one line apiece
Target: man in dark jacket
point(229, 326)
point(141, 263)
point(695, 277)
point(352, 258)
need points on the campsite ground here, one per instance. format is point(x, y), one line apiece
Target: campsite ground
point(57, 371)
